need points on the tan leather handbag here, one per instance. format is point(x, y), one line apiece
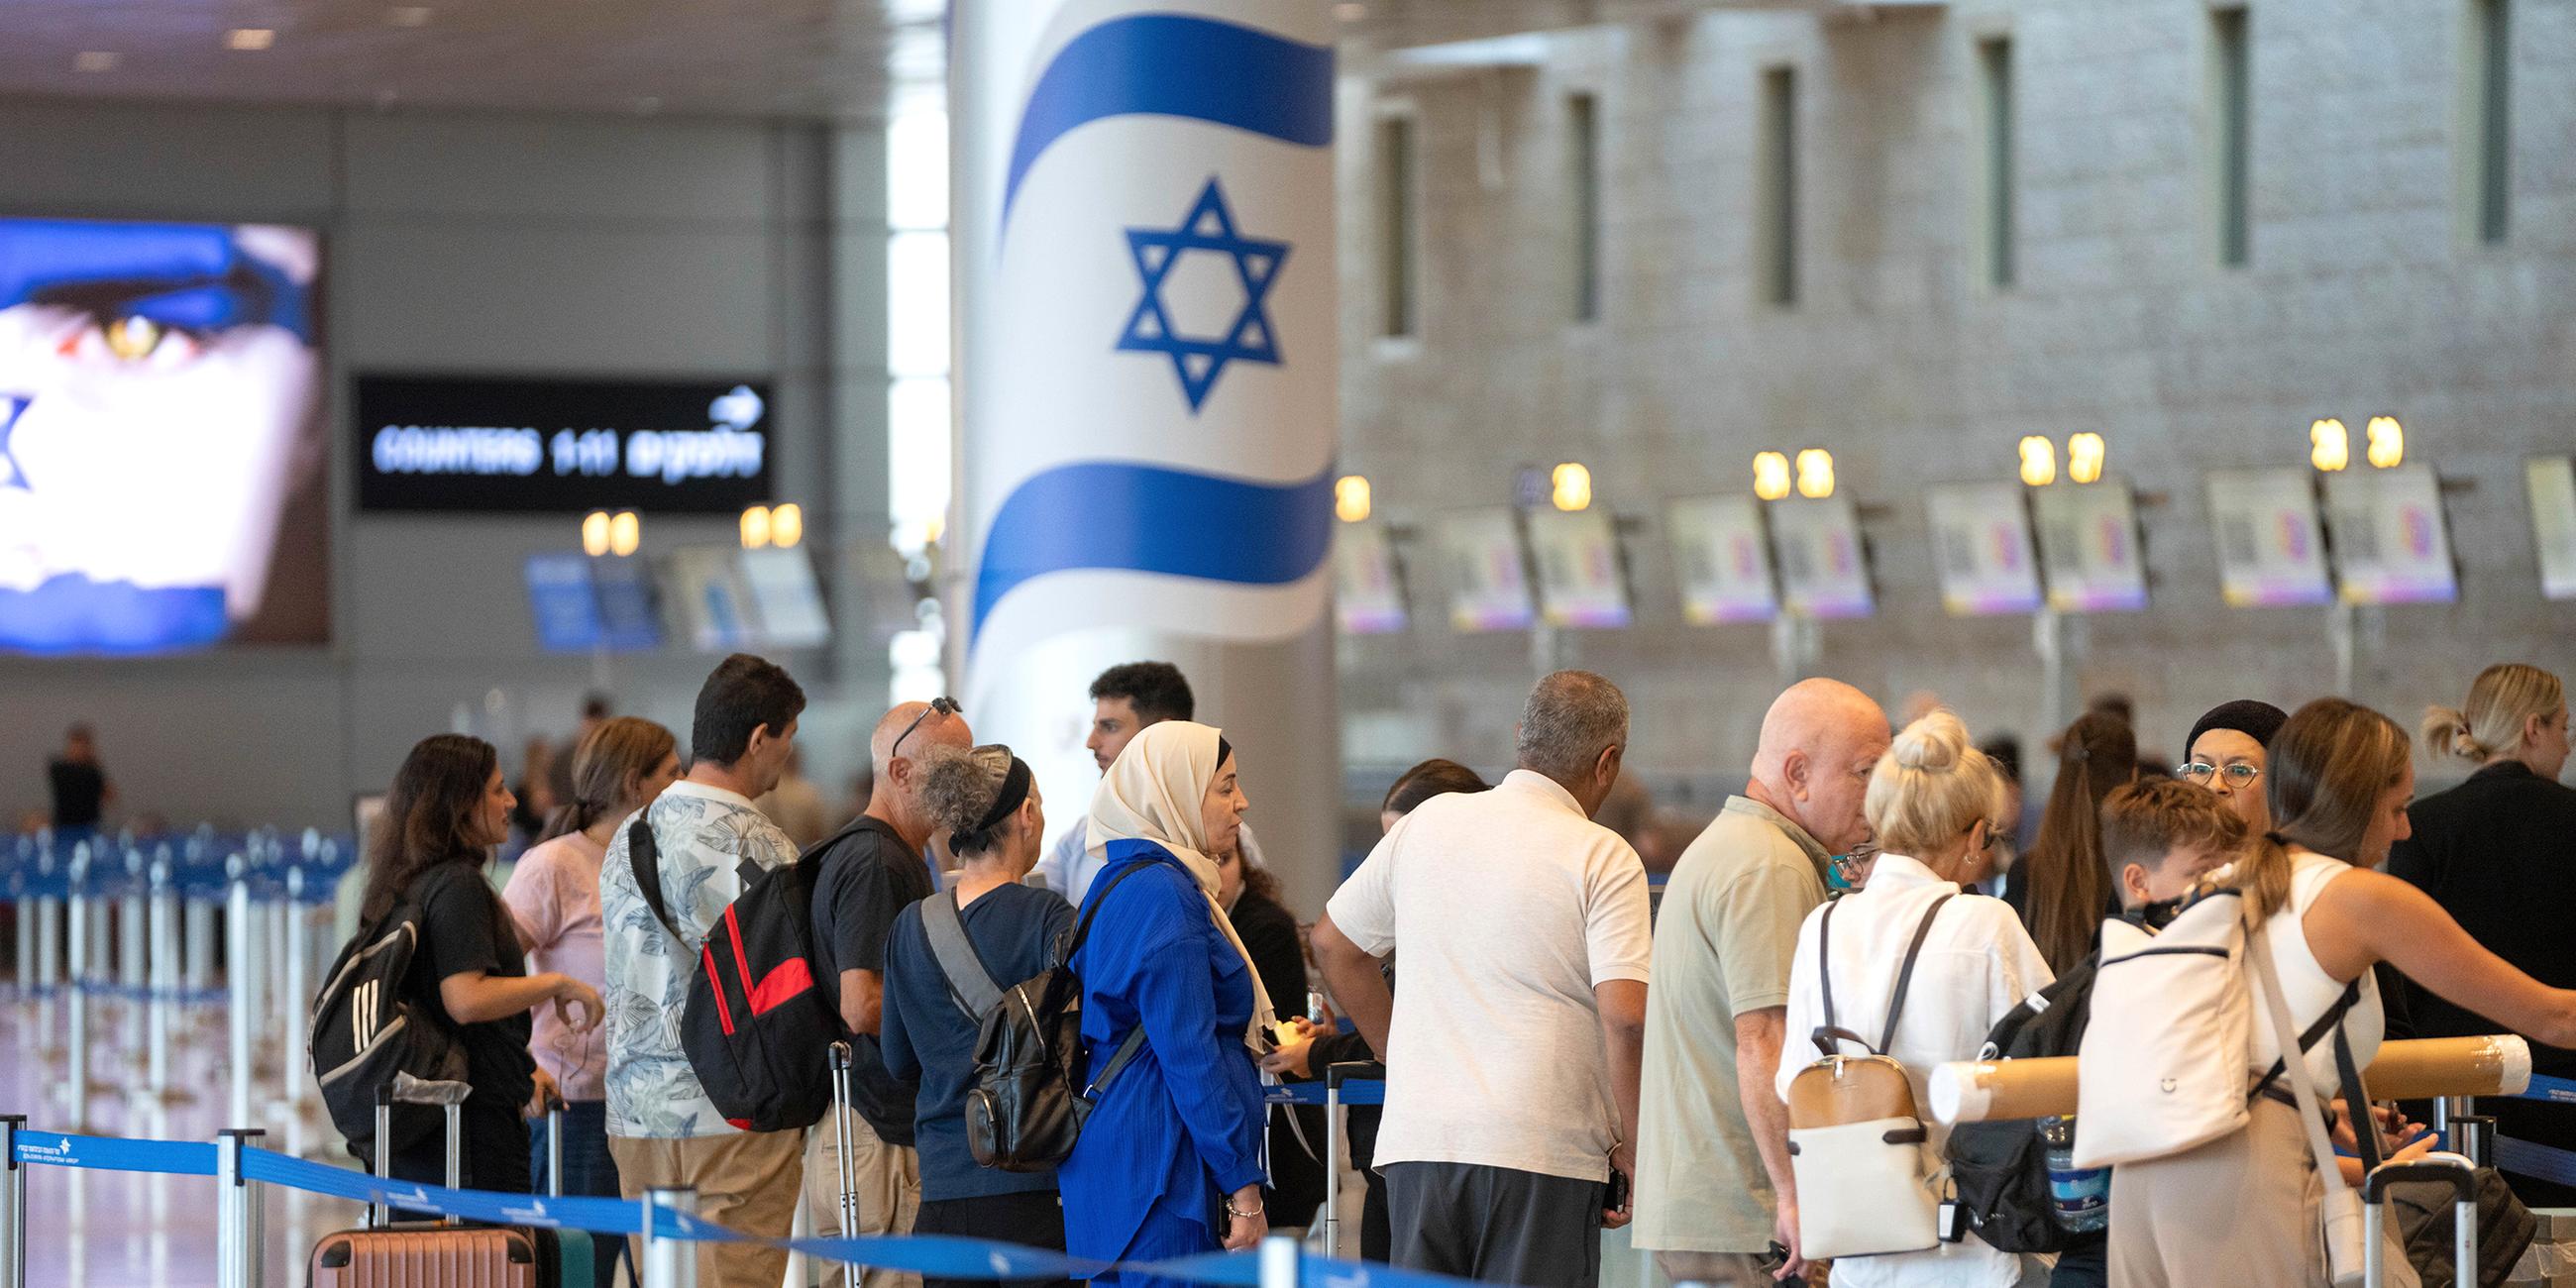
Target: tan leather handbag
point(1855, 1137)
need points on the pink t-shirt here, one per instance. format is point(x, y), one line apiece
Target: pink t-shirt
point(554, 892)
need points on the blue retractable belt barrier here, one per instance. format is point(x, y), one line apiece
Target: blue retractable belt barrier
point(938, 1256)
point(115, 1154)
point(2531, 1158)
point(1357, 1091)
point(2559, 1090)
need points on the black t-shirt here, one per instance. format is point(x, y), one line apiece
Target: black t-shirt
point(865, 877)
point(80, 792)
point(464, 928)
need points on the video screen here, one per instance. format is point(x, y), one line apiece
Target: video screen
point(161, 451)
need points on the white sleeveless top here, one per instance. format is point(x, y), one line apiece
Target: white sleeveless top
point(2306, 986)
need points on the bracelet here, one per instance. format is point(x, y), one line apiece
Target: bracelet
point(1229, 1211)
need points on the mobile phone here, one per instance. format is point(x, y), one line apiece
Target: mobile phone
point(1617, 1199)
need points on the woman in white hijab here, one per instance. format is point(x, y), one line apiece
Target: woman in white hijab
point(1169, 1163)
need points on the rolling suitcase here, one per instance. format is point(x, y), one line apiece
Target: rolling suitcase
point(428, 1254)
point(2441, 1169)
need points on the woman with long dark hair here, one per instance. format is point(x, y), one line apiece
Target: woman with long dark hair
point(2061, 888)
point(2244, 1208)
point(447, 808)
point(619, 767)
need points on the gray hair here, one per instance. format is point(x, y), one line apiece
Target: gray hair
point(1571, 718)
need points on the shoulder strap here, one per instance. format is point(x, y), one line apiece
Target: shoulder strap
point(1118, 1060)
point(2356, 1099)
point(2258, 949)
point(1825, 980)
point(2326, 1023)
point(646, 859)
point(1082, 929)
point(1905, 973)
point(970, 985)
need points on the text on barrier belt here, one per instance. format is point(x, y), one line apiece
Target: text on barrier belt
point(1357, 1091)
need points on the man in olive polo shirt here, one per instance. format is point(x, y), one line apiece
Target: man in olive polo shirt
point(1714, 1189)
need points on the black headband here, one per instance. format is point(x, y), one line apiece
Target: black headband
point(1015, 792)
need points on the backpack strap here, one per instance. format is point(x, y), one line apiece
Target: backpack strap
point(1829, 1034)
point(2329, 1022)
point(645, 857)
point(970, 985)
point(1905, 973)
point(1135, 1039)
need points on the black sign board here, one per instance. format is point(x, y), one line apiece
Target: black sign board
point(447, 443)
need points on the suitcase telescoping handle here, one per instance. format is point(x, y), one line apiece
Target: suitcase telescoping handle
point(842, 1132)
point(2440, 1169)
point(448, 1096)
point(554, 1145)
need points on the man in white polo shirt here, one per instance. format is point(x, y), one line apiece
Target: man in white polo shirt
point(1513, 1056)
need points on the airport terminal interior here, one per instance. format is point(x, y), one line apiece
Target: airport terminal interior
point(1861, 598)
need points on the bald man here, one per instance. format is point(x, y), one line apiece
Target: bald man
point(865, 877)
point(1714, 1191)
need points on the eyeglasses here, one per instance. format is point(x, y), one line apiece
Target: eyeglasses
point(2202, 772)
point(942, 707)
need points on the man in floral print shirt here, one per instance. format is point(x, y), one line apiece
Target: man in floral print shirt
point(661, 1128)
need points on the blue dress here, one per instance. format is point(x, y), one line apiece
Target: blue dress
point(1182, 1124)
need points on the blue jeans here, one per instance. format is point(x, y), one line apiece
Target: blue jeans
point(587, 1170)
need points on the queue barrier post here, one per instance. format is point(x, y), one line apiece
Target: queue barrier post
point(1279, 1256)
point(132, 954)
point(162, 956)
point(241, 970)
point(292, 997)
point(238, 1236)
point(26, 937)
point(76, 1079)
point(13, 1205)
point(668, 1262)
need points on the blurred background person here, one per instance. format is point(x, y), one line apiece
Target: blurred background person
point(988, 803)
point(796, 805)
point(617, 769)
point(1125, 700)
point(2062, 887)
point(2495, 852)
point(80, 785)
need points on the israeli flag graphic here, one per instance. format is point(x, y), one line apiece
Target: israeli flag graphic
point(1147, 371)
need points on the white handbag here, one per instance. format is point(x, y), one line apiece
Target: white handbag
point(1855, 1137)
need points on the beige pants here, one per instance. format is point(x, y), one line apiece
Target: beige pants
point(888, 1181)
point(746, 1180)
point(1723, 1270)
point(2239, 1210)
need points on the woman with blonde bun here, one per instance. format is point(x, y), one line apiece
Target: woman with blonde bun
point(2498, 852)
point(1935, 803)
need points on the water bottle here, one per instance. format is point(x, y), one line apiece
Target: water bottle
point(2079, 1198)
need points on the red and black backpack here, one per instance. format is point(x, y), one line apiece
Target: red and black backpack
point(757, 1031)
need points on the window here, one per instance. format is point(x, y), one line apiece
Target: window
point(1775, 213)
point(2490, 138)
point(1398, 235)
point(1583, 161)
point(2231, 77)
point(918, 476)
point(1995, 106)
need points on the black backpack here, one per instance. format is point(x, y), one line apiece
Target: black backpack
point(756, 1029)
point(365, 1032)
point(2001, 1167)
point(1023, 1114)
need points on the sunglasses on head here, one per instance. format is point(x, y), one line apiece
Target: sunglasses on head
point(942, 707)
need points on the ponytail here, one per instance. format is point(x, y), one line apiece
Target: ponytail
point(607, 765)
point(2491, 723)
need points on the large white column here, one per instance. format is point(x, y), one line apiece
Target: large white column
point(1143, 227)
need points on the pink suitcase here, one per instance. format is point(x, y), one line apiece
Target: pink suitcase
point(389, 1254)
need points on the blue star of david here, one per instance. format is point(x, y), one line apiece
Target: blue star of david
point(12, 474)
point(1199, 360)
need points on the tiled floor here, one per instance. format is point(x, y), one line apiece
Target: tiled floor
point(94, 1229)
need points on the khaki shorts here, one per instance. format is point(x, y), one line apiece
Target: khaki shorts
point(746, 1180)
point(888, 1179)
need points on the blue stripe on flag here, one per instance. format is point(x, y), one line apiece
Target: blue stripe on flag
point(1152, 518)
point(1168, 64)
